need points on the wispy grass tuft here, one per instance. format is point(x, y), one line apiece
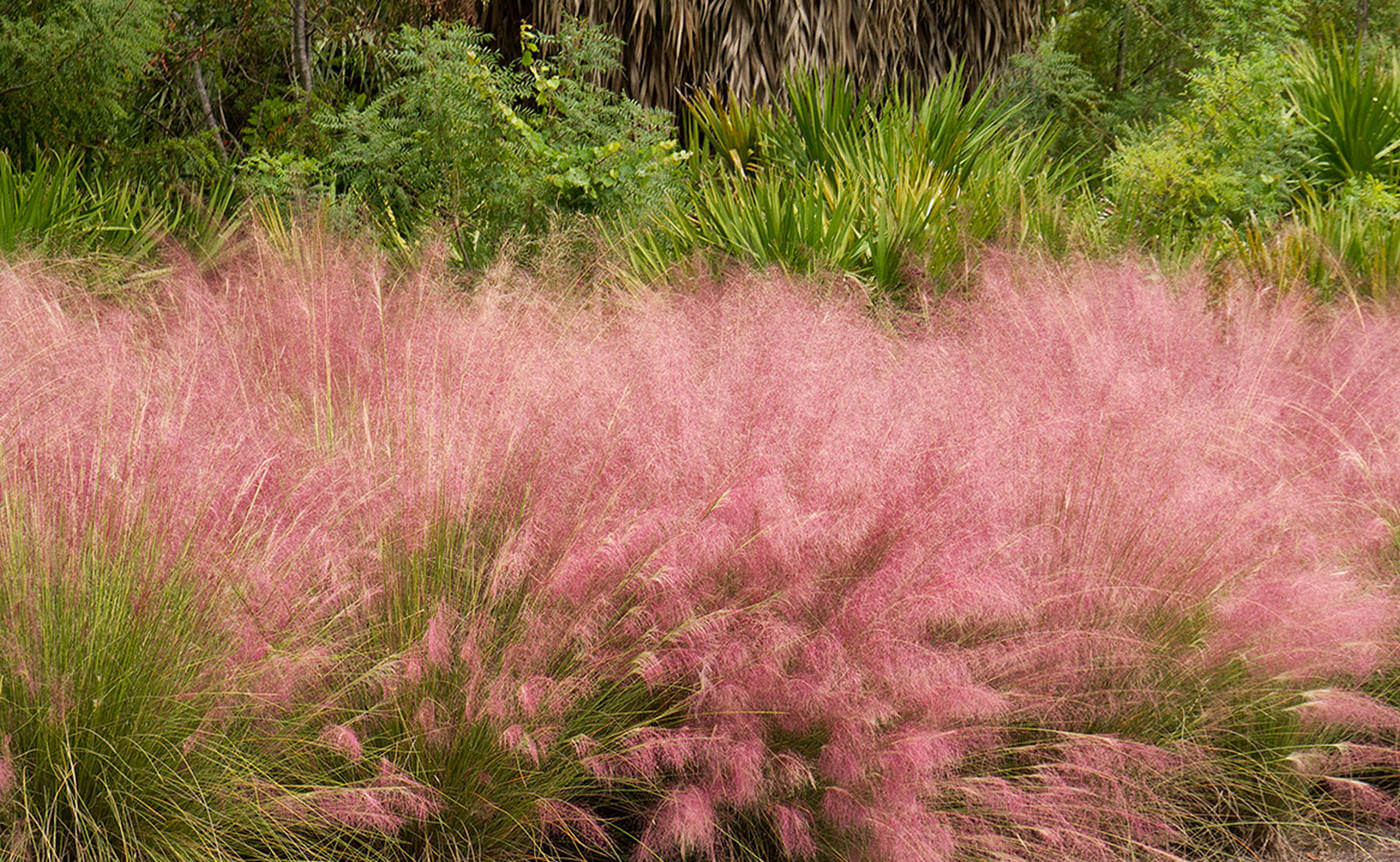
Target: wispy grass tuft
point(116, 700)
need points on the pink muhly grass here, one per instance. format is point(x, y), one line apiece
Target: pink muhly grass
point(1345, 759)
point(1362, 799)
point(150, 418)
point(561, 819)
point(793, 826)
point(849, 562)
point(384, 804)
point(686, 824)
point(344, 740)
point(9, 780)
point(437, 640)
point(1349, 710)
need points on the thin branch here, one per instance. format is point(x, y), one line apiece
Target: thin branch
point(197, 73)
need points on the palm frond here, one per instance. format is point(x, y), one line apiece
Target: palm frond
point(746, 48)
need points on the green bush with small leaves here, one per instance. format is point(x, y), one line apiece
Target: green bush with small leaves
point(1235, 150)
point(1054, 86)
point(69, 70)
point(489, 147)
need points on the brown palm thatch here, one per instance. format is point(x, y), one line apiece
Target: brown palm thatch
point(745, 46)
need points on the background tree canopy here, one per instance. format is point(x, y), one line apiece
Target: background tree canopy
point(72, 72)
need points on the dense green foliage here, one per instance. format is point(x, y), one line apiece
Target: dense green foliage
point(459, 136)
point(1255, 135)
point(1104, 66)
point(1258, 134)
point(1232, 150)
point(408, 121)
point(71, 71)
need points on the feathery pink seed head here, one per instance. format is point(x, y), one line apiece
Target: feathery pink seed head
point(686, 822)
point(565, 819)
point(437, 640)
point(344, 740)
point(1338, 708)
point(793, 826)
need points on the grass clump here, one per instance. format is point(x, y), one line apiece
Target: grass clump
point(460, 733)
point(116, 705)
point(109, 229)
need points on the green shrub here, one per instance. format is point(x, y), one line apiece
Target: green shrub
point(1054, 86)
point(1287, 163)
point(1235, 149)
point(205, 218)
point(284, 175)
point(1250, 26)
point(731, 130)
point(434, 133)
point(70, 69)
point(108, 232)
point(460, 136)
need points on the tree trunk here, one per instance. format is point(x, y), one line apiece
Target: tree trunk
point(1363, 18)
point(1120, 66)
point(301, 54)
point(203, 92)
